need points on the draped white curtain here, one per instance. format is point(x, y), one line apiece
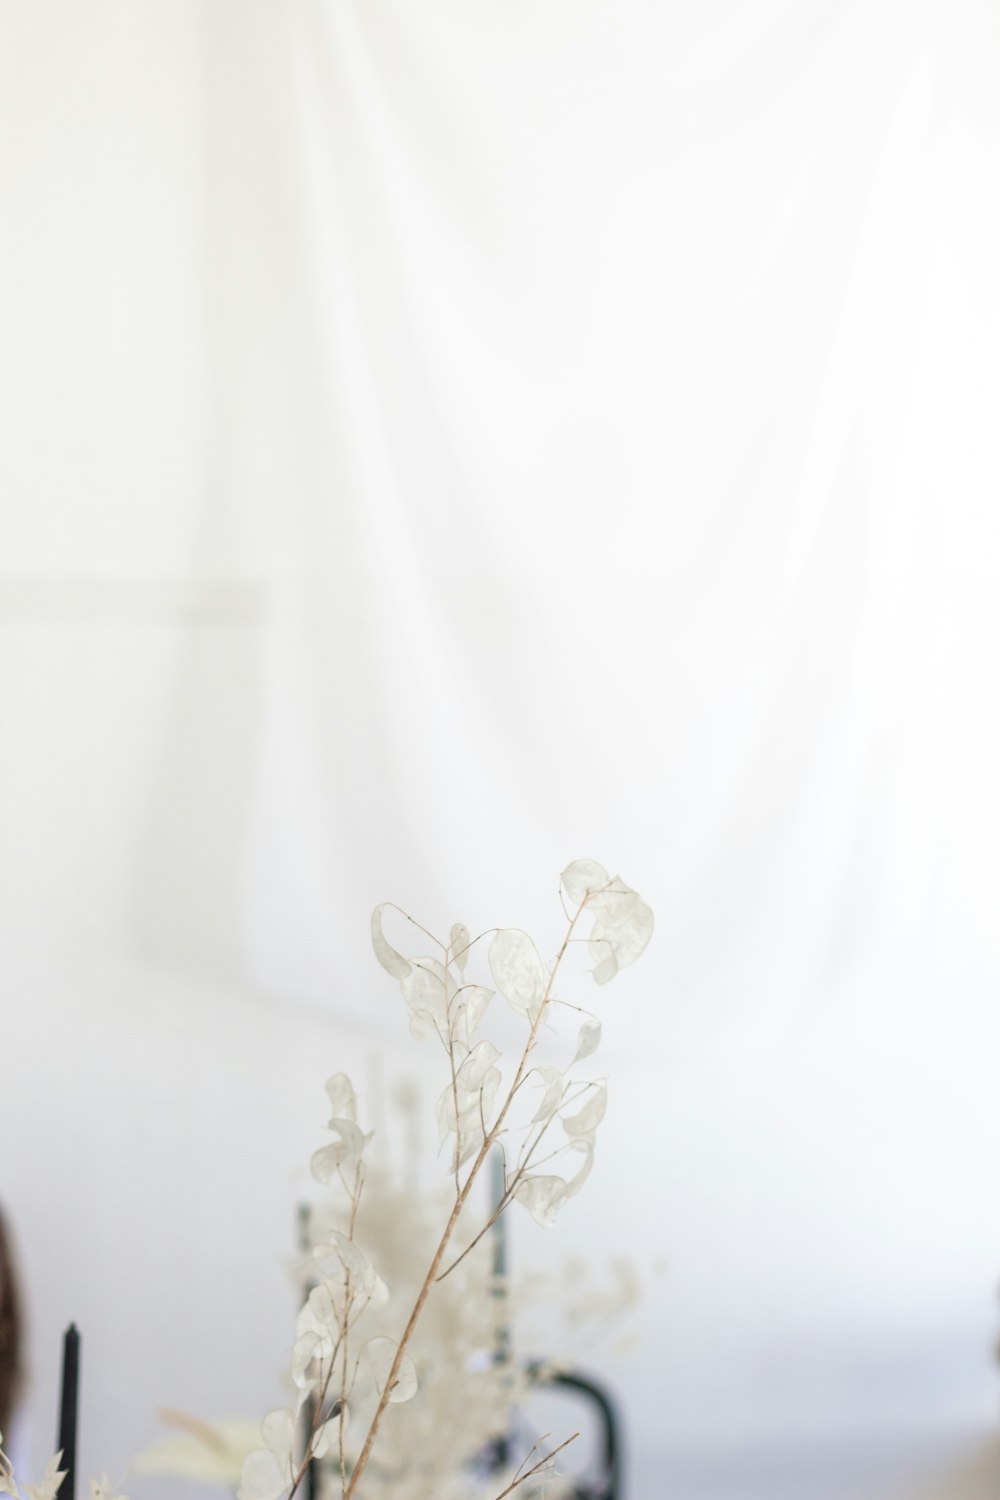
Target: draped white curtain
point(442, 441)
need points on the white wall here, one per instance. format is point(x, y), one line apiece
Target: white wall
point(442, 442)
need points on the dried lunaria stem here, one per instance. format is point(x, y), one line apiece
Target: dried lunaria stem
point(476, 1108)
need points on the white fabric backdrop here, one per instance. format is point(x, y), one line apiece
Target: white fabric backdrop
point(442, 441)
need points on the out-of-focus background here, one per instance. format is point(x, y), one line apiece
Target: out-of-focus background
point(441, 441)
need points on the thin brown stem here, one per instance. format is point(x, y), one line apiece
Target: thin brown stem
point(413, 923)
point(454, 1077)
point(473, 1243)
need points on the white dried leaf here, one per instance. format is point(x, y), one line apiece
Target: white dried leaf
point(322, 1307)
point(267, 1473)
point(468, 1009)
point(427, 989)
point(606, 961)
point(343, 1100)
point(381, 1353)
point(278, 1431)
point(623, 928)
point(591, 1113)
point(303, 1353)
point(343, 1153)
point(446, 1113)
point(454, 1111)
point(458, 946)
point(377, 1292)
point(394, 963)
point(585, 1146)
point(325, 1436)
point(263, 1478)
point(472, 1140)
point(581, 877)
point(518, 971)
point(463, 1110)
point(553, 1082)
point(422, 1026)
point(305, 1322)
point(474, 1069)
point(488, 1092)
point(357, 1264)
point(326, 1161)
point(542, 1197)
point(588, 1040)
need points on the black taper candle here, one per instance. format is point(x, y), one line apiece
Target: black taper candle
point(68, 1402)
point(498, 1235)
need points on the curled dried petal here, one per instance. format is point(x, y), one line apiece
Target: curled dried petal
point(343, 1153)
point(585, 1146)
point(325, 1436)
point(303, 1354)
point(591, 1113)
point(394, 963)
point(343, 1100)
point(554, 1082)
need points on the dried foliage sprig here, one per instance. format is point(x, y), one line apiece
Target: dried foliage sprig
point(48, 1486)
point(337, 1373)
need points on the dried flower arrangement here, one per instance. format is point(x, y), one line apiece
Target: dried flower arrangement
point(360, 1348)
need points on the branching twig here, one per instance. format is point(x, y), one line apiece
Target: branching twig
point(547, 1458)
point(511, 1185)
